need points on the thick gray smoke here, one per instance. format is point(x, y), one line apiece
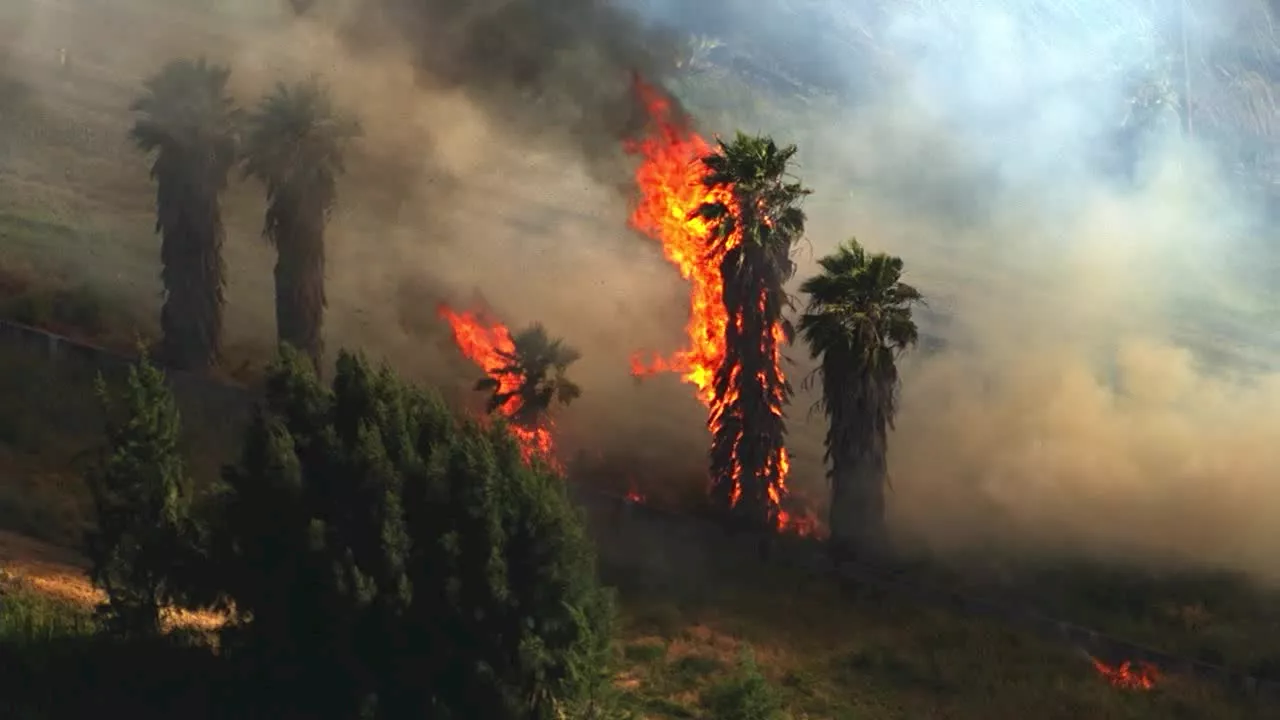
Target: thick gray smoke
point(1099, 281)
point(558, 72)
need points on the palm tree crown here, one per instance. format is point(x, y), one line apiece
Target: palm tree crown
point(534, 375)
point(295, 145)
point(857, 323)
point(187, 120)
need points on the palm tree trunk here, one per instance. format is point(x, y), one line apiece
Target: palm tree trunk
point(300, 294)
point(857, 520)
point(749, 432)
point(192, 274)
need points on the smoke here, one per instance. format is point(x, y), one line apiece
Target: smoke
point(555, 73)
point(1103, 385)
point(1107, 385)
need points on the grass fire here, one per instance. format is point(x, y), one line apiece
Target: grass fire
point(1128, 675)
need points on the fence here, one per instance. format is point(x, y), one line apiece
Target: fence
point(651, 542)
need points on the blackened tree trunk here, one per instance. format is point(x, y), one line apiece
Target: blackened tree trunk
point(749, 429)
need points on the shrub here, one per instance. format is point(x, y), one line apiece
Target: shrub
point(406, 562)
point(746, 695)
point(141, 498)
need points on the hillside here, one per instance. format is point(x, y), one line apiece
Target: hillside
point(444, 201)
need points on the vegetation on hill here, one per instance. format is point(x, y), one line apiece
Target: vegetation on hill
point(377, 556)
point(142, 505)
point(370, 546)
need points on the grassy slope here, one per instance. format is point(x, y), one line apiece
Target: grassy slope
point(830, 653)
point(75, 213)
point(868, 657)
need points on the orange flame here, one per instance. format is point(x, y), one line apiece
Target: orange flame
point(485, 341)
point(670, 183)
point(1128, 676)
point(669, 180)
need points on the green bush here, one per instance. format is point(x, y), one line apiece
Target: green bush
point(142, 503)
point(403, 562)
point(746, 695)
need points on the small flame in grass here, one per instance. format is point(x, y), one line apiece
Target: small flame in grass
point(1127, 675)
point(803, 523)
point(488, 343)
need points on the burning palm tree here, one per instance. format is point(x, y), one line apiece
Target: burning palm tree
point(525, 375)
point(754, 220)
point(690, 200)
point(857, 323)
point(532, 377)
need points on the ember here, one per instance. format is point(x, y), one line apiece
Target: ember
point(1142, 676)
point(488, 344)
point(670, 183)
point(634, 495)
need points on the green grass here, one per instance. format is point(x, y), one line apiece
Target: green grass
point(775, 645)
point(832, 653)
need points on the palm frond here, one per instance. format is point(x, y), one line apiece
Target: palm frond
point(536, 367)
point(857, 322)
point(296, 142)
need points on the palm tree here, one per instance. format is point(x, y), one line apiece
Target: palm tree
point(755, 225)
point(857, 323)
point(534, 375)
point(295, 144)
point(188, 121)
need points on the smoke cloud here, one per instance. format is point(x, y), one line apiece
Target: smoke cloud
point(1104, 382)
point(556, 73)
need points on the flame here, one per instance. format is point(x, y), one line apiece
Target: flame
point(669, 180)
point(634, 495)
point(485, 341)
point(1128, 676)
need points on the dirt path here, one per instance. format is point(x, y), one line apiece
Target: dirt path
point(61, 573)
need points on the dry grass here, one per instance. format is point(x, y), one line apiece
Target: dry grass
point(61, 575)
